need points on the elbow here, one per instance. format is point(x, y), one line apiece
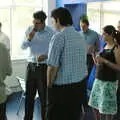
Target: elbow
point(23, 47)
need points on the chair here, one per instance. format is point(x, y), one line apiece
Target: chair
point(21, 82)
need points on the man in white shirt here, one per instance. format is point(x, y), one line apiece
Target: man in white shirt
point(5, 70)
point(4, 38)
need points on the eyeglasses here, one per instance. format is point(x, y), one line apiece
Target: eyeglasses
point(38, 23)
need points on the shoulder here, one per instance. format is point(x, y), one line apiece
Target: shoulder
point(3, 35)
point(117, 50)
point(93, 32)
point(58, 36)
point(71, 32)
point(57, 39)
point(49, 29)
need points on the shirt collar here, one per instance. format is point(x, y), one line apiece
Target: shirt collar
point(86, 31)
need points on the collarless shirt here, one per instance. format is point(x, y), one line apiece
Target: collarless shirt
point(39, 44)
point(92, 40)
point(5, 40)
point(67, 51)
point(5, 70)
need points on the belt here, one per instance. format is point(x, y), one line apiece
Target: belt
point(37, 64)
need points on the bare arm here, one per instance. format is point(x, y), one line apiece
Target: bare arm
point(117, 58)
point(116, 65)
point(51, 75)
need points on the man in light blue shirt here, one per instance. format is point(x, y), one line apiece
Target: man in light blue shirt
point(66, 69)
point(92, 40)
point(37, 38)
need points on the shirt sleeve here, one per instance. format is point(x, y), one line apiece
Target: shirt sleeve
point(26, 43)
point(7, 42)
point(97, 43)
point(56, 47)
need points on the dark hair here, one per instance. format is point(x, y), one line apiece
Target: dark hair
point(117, 37)
point(40, 15)
point(63, 15)
point(110, 30)
point(84, 19)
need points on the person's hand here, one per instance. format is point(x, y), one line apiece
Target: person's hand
point(31, 35)
point(100, 59)
point(42, 58)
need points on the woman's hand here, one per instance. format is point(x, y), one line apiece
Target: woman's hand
point(100, 59)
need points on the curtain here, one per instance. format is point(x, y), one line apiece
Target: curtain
point(76, 11)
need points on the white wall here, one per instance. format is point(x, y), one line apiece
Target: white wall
point(51, 6)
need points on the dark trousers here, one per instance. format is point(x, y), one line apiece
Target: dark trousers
point(65, 101)
point(90, 64)
point(118, 103)
point(3, 111)
point(36, 80)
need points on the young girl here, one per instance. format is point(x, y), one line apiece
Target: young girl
point(103, 95)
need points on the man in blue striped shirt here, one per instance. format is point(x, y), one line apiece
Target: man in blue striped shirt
point(66, 69)
point(37, 39)
point(92, 40)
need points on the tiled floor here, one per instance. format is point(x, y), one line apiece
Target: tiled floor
point(12, 108)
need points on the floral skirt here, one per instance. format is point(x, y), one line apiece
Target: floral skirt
point(103, 97)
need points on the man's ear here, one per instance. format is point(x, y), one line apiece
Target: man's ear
point(57, 21)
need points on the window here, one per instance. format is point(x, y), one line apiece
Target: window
point(103, 13)
point(16, 16)
point(93, 11)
